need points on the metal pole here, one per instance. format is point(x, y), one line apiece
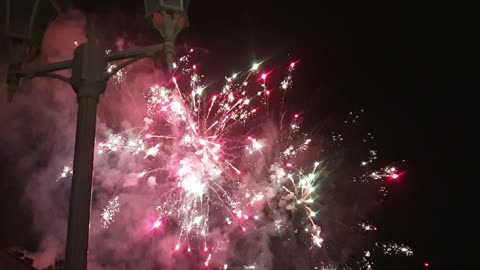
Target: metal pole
point(88, 81)
point(79, 214)
point(89, 73)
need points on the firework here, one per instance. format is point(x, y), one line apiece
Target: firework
point(109, 212)
point(205, 147)
point(367, 227)
point(117, 75)
point(396, 249)
point(66, 172)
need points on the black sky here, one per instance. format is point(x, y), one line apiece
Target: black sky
point(401, 61)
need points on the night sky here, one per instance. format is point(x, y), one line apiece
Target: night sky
point(400, 61)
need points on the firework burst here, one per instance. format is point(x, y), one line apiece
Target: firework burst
point(219, 170)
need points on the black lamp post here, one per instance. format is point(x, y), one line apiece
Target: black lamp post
point(89, 78)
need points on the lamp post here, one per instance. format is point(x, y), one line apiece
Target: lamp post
point(88, 80)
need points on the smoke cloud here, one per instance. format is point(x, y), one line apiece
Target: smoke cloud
point(39, 134)
point(41, 131)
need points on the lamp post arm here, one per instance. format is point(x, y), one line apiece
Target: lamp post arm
point(15, 73)
point(140, 52)
point(122, 65)
point(148, 51)
point(41, 70)
point(133, 55)
point(54, 76)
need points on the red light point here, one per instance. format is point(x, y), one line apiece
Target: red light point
point(194, 66)
point(174, 80)
point(148, 136)
point(289, 165)
point(245, 217)
point(264, 76)
point(296, 115)
point(244, 229)
point(191, 50)
point(205, 249)
point(292, 65)
point(425, 264)
point(177, 247)
point(395, 176)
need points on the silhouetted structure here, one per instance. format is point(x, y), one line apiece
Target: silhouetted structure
point(59, 265)
point(15, 260)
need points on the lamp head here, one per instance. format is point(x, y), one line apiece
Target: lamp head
point(26, 22)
